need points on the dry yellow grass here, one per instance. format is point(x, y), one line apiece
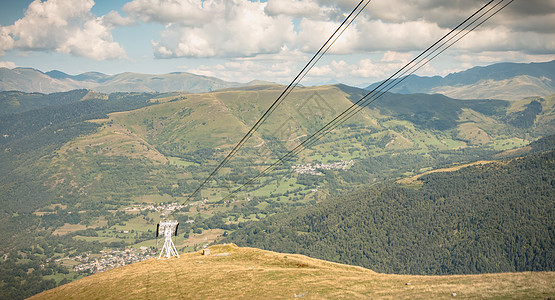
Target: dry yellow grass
point(231, 272)
point(206, 237)
point(68, 228)
point(473, 134)
point(412, 180)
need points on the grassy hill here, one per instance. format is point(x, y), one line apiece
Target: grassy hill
point(87, 151)
point(195, 131)
point(232, 272)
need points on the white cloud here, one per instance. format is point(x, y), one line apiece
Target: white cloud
point(369, 35)
point(491, 57)
point(313, 33)
point(113, 18)
point(66, 26)
point(93, 40)
point(295, 8)
point(7, 64)
point(245, 71)
point(188, 12)
point(503, 39)
point(272, 40)
point(233, 28)
point(6, 41)
point(240, 28)
point(363, 71)
point(401, 25)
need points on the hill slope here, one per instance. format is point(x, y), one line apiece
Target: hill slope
point(496, 217)
point(509, 81)
point(231, 272)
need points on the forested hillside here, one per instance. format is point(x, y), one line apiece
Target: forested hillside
point(496, 217)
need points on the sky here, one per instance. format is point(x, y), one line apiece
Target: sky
point(244, 40)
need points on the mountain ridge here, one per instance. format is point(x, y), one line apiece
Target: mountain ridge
point(33, 80)
point(507, 81)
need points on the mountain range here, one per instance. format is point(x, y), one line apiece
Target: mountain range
point(32, 80)
point(508, 81)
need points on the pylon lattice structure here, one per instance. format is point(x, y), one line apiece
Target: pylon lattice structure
point(167, 228)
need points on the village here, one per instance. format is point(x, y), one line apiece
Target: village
point(314, 169)
point(110, 259)
point(161, 207)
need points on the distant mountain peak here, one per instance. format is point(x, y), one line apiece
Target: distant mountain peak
point(509, 81)
point(32, 80)
point(57, 74)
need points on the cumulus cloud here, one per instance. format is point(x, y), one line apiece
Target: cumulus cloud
point(7, 64)
point(401, 25)
point(376, 35)
point(189, 12)
point(364, 70)
point(490, 57)
point(239, 28)
point(6, 41)
point(66, 26)
point(213, 28)
point(248, 70)
point(92, 40)
point(113, 18)
point(295, 8)
point(271, 39)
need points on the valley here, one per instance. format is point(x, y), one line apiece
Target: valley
point(89, 172)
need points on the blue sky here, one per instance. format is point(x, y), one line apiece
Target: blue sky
point(241, 40)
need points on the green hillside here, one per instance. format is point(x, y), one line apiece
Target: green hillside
point(230, 272)
point(169, 146)
point(495, 217)
point(84, 171)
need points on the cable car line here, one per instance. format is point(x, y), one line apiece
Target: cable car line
point(323, 131)
point(359, 106)
point(331, 40)
point(366, 100)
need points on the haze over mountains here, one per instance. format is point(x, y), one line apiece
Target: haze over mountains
point(32, 80)
point(508, 81)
